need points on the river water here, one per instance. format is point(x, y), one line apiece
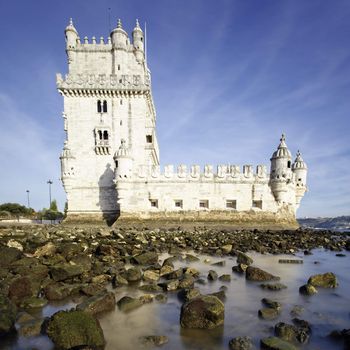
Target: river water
point(326, 311)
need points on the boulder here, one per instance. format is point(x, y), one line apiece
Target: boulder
point(8, 255)
point(153, 340)
point(48, 249)
point(127, 304)
point(205, 312)
point(325, 280)
point(240, 268)
point(268, 313)
point(75, 329)
point(151, 275)
point(271, 303)
point(226, 249)
point(59, 291)
point(8, 312)
point(133, 274)
point(212, 275)
point(31, 328)
point(307, 289)
point(225, 278)
point(273, 286)
point(148, 258)
point(286, 331)
point(240, 343)
point(243, 258)
point(188, 294)
point(169, 285)
point(256, 274)
point(62, 272)
point(20, 288)
point(275, 343)
point(102, 302)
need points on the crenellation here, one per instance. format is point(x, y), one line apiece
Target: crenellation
point(110, 159)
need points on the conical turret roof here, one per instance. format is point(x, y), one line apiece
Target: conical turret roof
point(299, 162)
point(282, 149)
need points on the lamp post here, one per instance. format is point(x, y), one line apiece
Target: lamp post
point(28, 198)
point(50, 182)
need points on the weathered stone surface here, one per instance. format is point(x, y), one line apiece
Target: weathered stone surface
point(290, 261)
point(127, 304)
point(226, 249)
point(273, 286)
point(148, 258)
point(133, 274)
point(75, 329)
point(151, 275)
point(325, 280)
point(202, 312)
point(225, 278)
point(268, 313)
point(99, 303)
point(212, 275)
point(31, 328)
point(154, 340)
point(240, 343)
point(307, 289)
point(32, 303)
point(8, 255)
point(63, 272)
point(169, 285)
point(240, 268)
point(256, 274)
point(20, 288)
point(243, 258)
point(274, 343)
point(8, 312)
point(271, 303)
point(48, 249)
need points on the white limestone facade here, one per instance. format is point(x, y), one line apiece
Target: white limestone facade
point(110, 160)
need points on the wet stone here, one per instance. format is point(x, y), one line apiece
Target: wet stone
point(225, 278)
point(268, 313)
point(275, 343)
point(240, 343)
point(243, 258)
point(205, 312)
point(8, 313)
point(256, 274)
point(307, 289)
point(212, 275)
point(75, 329)
point(127, 304)
point(101, 302)
point(273, 286)
point(271, 303)
point(154, 340)
point(290, 261)
point(325, 280)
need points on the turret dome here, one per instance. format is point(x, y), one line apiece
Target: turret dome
point(299, 162)
point(123, 151)
point(71, 27)
point(137, 27)
point(282, 149)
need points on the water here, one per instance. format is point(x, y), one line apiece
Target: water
point(326, 311)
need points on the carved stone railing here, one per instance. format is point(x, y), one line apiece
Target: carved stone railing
point(135, 82)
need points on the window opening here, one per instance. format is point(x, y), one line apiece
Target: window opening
point(149, 138)
point(178, 203)
point(154, 203)
point(105, 135)
point(204, 203)
point(231, 204)
point(100, 134)
point(104, 106)
point(257, 204)
point(99, 106)
point(289, 164)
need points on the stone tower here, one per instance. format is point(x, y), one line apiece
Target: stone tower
point(108, 104)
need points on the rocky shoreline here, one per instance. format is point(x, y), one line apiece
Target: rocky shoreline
point(43, 264)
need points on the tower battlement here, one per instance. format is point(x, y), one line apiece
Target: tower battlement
point(110, 159)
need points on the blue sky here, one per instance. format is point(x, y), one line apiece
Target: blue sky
point(228, 78)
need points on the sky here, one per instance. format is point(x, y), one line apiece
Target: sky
point(228, 77)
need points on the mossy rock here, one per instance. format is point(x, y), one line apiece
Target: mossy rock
point(8, 312)
point(274, 343)
point(75, 329)
point(325, 280)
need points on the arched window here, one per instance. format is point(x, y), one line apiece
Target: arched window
point(100, 135)
point(99, 107)
point(289, 164)
point(105, 135)
point(104, 106)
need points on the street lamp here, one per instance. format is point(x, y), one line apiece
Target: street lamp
point(28, 198)
point(50, 182)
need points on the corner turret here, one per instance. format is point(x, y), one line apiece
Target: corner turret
point(71, 36)
point(281, 171)
point(123, 161)
point(119, 37)
point(299, 169)
point(138, 41)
